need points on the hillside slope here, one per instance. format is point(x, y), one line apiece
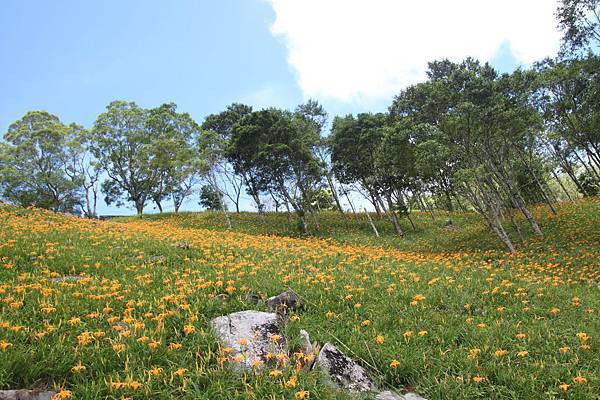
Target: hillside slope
point(429, 311)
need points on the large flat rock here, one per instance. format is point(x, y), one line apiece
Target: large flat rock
point(251, 335)
point(344, 372)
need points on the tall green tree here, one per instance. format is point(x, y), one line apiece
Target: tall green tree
point(485, 121)
point(126, 150)
point(180, 167)
point(568, 96)
point(223, 167)
point(34, 167)
point(354, 143)
point(278, 147)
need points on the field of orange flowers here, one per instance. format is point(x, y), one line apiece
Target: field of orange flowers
point(443, 311)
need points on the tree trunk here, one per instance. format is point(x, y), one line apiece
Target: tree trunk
point(350, 202)
point(299, 210)
point(449, 206)
point(424, 207)
point(139, 207)
point(375, 203)
point(515, 225)
point(561, 185)
point(392, 217)
point(520, 204)
point(371, 222)
point(336, 198)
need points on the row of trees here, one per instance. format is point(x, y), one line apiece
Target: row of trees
point(467, 137)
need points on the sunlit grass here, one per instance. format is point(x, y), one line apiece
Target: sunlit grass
point(428, 311)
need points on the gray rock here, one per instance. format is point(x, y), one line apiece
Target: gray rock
point(69, 278)
point(308, 348)
point(286, 301)
point(260, 332)
point(344, 372)
point(388, 395)
point(252, 298)
point(26, 394)
point(220, 297)
point(157, 259)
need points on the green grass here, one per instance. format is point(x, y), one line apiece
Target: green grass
point(157, 274)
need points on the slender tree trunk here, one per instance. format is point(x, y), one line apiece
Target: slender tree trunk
point(460, 205)
point(561, 185)
point(336, 198)
point(297, 208)
point(221, 204)
point(376, 205)
point(94, 202)
point(487, 210)
point(590, 170)
point(310, 208)
point(543, 191)
point(392, 216)
point(520, 204)
point(350, 202)
point(449, 206)
point(371, 223)
point(501, 233)
point(424, 207)
point(515, 225)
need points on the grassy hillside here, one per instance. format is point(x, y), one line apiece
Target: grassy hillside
point(443, 310)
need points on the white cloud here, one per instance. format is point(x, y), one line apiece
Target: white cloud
point(368, 49)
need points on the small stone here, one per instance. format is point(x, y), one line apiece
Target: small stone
point(308, 348)
point(157, 259)
point(306, 344)
point(69, 278)
point(285, 302)
point(220, 297)
point(252, 298)
point(251, 335)
point(26, 394)
point(344, 372)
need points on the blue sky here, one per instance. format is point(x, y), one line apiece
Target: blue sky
point(72, 58)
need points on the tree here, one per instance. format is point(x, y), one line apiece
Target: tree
point(485, 121)
point(210, 198)
point(33, 163)
point(82, 166)
point(125, 149)
point(316, 114)
point(277, 147)
point(579, 20)
point(174, 135)
point(354, 142)
point(568, 96)
point(223, 164)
